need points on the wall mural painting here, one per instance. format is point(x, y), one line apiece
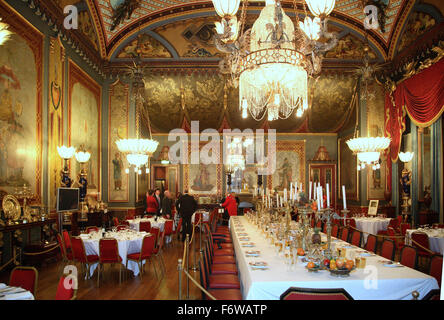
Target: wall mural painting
point(203, 179)
point(332, 94)
point(249, 179)
point(150, 48)
point(202, 98)
point(376, 179)
point(290, 165)
point(348, 173)
point(349, 48)
point(418, 24)
point(20, 107)
point(84, 124)
point(118, 187)
point(55, 116)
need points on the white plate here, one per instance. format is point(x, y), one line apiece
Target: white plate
point(393, 265)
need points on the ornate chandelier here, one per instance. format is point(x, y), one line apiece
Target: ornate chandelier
point(5, 34)
point(272, 61)
point(138, 150)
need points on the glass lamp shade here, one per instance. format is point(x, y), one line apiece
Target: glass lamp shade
point(82, 157)
point(66, 152)
point(368, 144)
point(368, 157)
point(137, 160)
point(406, 156)
point(137, 146)
point(311, 28)
point(320, 8)
point(226, 7)
point(5, 34)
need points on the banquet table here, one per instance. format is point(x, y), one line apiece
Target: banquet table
point(436, 238)
point(377, 281)
point(128, 242)
point(14, 293)
point(371, 225)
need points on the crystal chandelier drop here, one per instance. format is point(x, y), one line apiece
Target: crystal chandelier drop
point(271, 62)
point(406, 156)
point(235, 154)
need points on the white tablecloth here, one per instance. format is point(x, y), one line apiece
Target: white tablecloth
point(14, 293)
point(135, 223)
point(436, 238)
point(392, 283)
point(126, 246)
point(371, 225)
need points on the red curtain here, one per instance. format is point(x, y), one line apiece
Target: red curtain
point(421, 96)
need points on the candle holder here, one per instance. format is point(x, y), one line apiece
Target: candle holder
point(305, 219)
point(326, 214)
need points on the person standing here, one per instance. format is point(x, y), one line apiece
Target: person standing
point(166, 205)
point(158, 199)
point(152, 207)
point(230, 204)
point(187, 205)
point(118, 165)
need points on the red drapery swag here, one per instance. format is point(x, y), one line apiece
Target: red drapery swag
point(421, 97)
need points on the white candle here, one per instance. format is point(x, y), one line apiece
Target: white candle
point(343, 197)
point(328, 197)
point(322, 197)
point(309, 191)
point(319, 204)
point(277, 199)
point(300, 187)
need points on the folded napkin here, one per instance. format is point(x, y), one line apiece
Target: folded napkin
point(2, 286)
point(17, 296)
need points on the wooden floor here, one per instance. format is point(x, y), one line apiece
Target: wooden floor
point(132, 288)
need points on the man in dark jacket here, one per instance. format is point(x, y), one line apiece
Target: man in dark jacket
point(166, 205)
point(187, 206)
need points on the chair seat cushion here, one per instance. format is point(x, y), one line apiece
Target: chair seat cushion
point(224, 259)
point(223, 252)
point(133, 256)
point(226, 294)
point(110, 260)
point(224, 281)
point(92, 258)
point(69, 255)
point(224, 246)
point(224, 268)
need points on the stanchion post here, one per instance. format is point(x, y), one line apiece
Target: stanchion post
point(200, 232)
point(188, 264)
point(180, 269)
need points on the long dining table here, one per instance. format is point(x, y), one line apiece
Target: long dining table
point(379, 280)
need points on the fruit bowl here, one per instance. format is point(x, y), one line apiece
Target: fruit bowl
point(343, 272)
point(316, 268)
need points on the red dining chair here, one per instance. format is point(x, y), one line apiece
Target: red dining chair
point(435, 269)
point(147, 216)
point(219, 281)
point(213, 260)
point(67, 240)
point(116, 221)
point(24, 277)
point(155, 231)
point(66, 256)
point(144, 254)
point(399, 243)
point(420, 240)
point(122, 227)
point(157, 251)
point(221, 268)
point(319, 224)
point(92, 229)
point(168, 229)
point(176, 232)
point(109, 254)
point(197, 217)
point(65, 292)
point(399, 218)
point(345, 234)
point(145, 226)
point(334, 230)
point(356, 238)
point(79, 255)
point(409, 257)
point(372, 243)
point(351, 222)
point(218, 294)
point(294, 293)
point(219, 240)
point(388, 249)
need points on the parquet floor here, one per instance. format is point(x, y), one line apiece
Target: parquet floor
point(132, 288)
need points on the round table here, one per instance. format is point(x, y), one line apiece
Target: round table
point(14, 293)
point(436, 238)
point(160, 223)
point(371, 225)
point(128, 242)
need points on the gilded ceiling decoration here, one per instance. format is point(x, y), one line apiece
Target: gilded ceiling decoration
point(418, 24)
point(149, 48)
point(349, 48)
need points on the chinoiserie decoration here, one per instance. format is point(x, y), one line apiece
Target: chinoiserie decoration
point(406, 177)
